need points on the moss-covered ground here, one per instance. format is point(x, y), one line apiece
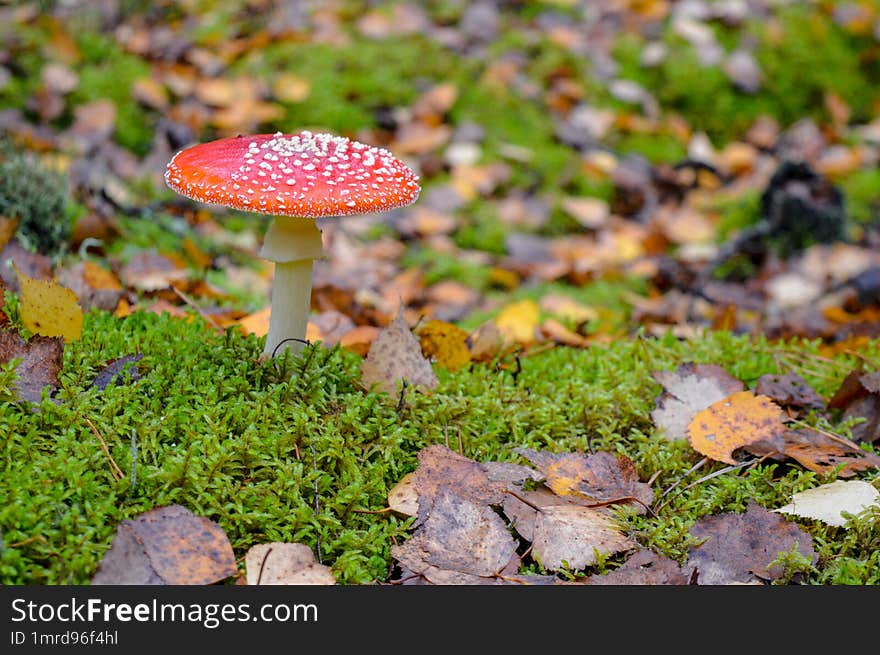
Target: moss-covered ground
point(294, 449)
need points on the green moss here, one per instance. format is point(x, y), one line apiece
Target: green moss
point(37, 197)
point(802, 54)
point(247, 443)
point(442, 266)
point(860, 189)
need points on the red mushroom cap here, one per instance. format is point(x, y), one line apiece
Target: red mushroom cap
point(303, 174)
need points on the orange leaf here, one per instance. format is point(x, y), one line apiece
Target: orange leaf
point(741, 419)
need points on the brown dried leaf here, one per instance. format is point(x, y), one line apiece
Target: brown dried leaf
point(458, 535)
point(396, 356)
point(280, 563)
point(789, 390)
point(167, 545)
point(738, 548)
point(823, 454)
point(688, 390)
point(571, 535)
point(40, 362)
point(595, 478)
point(439, 467)
point(645, 567)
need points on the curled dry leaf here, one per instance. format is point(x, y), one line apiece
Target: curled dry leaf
point(740, 420)
point(829, 502)
point(820, 452)
point(688, 390)
point(167, 545)
point(595, 478)
point(280, 563)
point(395, 356)
point(738, 548)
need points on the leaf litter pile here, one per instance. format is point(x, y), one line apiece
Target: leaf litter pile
point(607, 201)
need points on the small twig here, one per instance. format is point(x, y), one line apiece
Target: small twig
point(402, 400)
point(317, 504)
point(460, 443)
point(384, 510)
point(841, 440)
point(695, 467)
point(263, 564)
point(283, 341)
point(114, 469)
point(27, 541)
point(134, 450)
point(518, 369)
point(726, 469)
point(189, 301)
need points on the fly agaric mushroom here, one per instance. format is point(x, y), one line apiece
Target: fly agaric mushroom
point(295, 178)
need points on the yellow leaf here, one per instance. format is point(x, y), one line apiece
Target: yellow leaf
point(49, 309)
point(741, 419)
point(518, 321)
point(445, 343)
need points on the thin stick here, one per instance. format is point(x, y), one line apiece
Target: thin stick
point(263, 565)
point(189, 301)
point(317, 505)
point(695, 467)
point(841, 440)
point(114, 469)
point(726, 469)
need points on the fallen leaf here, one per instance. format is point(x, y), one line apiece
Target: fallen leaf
point(116, 371)
point(403, 497)
point(440, 467)
point(394, 357)
point(556, 331)
point(445, 344)
point(458, 535)
point(570, 536)
point(645, 567)
point(596, 478)
point(518, 322)
point(485, 342)
point(280, 563)
point(567, 309)
point(823, 453)
point(167, 545)
point(829, 502)
point(688, 390)
point(739, 420)
point(738, 548)
point(40, 363)
point(49, 309)
point(256, 323)
point(789, 390)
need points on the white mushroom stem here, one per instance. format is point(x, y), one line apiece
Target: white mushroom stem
point(292, 244)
